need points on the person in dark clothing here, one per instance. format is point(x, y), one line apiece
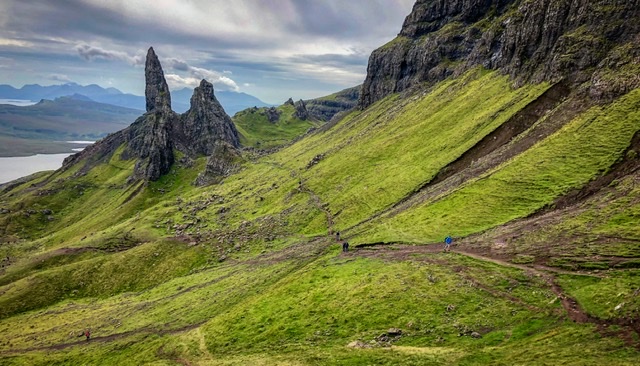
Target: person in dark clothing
point(345, 246)
point(337, 236)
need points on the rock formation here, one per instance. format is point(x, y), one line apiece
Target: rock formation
point(154, 136)
point(323, 109)
point(205, 122)
point(156, 92)
point(301, 110)
point(531, 40)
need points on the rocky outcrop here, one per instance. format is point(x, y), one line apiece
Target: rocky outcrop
point(531, 40)
point(323, 109)
point(154, 136)
point(158, 97)
point(301, 110)
point(204, 123)
point(273, 115)
point(223, 161)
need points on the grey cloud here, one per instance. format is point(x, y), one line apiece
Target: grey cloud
point(274, 39)
point(90, 53)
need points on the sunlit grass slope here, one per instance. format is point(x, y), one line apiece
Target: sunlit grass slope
point(374, 158)
point(241, 272)
point(579, 152)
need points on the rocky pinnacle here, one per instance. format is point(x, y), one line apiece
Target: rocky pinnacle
point(204, 123)
point(156, 91)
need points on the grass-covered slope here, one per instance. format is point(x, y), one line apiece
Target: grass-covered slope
point(269, 127)
point(243, 272)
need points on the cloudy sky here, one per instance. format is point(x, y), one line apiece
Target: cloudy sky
point(273, 49)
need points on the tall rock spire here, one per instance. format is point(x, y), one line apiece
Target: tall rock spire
point(206, 122)
point(157, 90)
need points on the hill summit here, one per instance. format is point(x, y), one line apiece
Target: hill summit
point(154, 137)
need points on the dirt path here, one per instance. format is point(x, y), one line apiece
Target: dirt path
point(103, 339)
point(629, 328)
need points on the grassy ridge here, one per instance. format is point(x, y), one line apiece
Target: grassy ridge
point(257, 131)
point(300, 312)
point(577, 153)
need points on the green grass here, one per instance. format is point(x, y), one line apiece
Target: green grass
point(376, 157)
point(257, 131)
point(579, 152)
point(254, 281)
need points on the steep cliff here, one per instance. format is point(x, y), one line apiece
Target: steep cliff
point(154, 136)
point(531, 40)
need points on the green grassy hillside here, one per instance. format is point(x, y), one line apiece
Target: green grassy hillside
point(248, 271)
point(256, 130)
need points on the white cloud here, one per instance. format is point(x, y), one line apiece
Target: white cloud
point(178, 82)
point(14, 42)
point(198, 73)
point(59, 77)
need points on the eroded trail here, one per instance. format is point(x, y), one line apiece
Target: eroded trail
point(570, 305)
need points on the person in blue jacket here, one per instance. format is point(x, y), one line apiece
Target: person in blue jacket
point(447, 243)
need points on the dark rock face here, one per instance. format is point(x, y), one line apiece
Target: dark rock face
point(223, 161)
point(156, 91)
point(154, 136)
point(148, 140)
point(324, 109)
point(204, 122)
point(273, 115)
point(301, 110)
point(531, 40)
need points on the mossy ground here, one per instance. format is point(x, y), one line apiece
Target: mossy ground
point(244, 272)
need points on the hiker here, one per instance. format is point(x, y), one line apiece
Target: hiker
point(345, 246)
point(447, 243)
point(337, 236)
point(87, 333)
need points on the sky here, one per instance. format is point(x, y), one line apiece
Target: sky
point(272, 49)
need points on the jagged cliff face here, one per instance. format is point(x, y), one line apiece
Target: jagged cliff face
point(154, 136)
point(205, 122)
point(531, 40)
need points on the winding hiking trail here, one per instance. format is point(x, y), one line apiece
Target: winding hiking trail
point(630, 328)
point(627, 329)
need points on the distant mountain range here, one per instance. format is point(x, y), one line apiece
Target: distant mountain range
point(42, 127)
point(232, 102)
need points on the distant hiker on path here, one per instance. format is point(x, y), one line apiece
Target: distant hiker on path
point(87, 333)
point(345, 246)
point(447, 243)
point(337, 236)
